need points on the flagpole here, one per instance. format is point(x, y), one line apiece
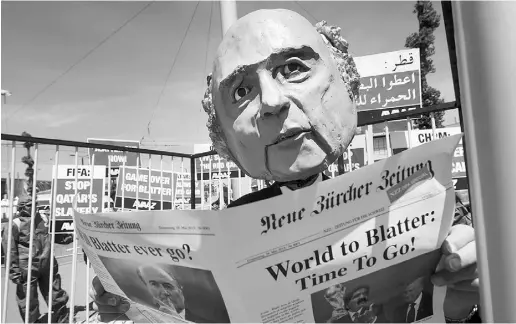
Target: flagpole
point(228, 14)
point(486, 77)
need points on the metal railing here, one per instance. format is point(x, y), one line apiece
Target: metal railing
point(59, 152)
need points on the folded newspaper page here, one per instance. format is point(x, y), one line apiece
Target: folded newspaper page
point(360, 247)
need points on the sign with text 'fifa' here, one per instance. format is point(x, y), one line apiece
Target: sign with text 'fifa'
point(140, 189)
point(113, 159)
point(390, 83)
point(71, 180)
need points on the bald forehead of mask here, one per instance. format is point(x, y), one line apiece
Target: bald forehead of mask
point(258, 36)
point(274, 78)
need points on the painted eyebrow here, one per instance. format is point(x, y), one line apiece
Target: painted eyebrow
point(303, 52)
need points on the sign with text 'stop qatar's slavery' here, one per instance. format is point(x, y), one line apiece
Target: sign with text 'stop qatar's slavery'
point(390, 83)
point(113, 159)
point(88, 188)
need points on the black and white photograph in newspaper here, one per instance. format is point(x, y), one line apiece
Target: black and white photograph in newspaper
point(402, 293)
point(188, 293)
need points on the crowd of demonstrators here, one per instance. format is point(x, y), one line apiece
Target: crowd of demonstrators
point(40, 267)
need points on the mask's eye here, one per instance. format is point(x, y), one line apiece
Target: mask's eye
point(241, 92)
point(292, 69)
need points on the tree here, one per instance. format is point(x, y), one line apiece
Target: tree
point(429, 21)
point(29, 172)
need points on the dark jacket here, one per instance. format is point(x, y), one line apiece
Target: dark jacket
point(20, 242)
point(425, 309)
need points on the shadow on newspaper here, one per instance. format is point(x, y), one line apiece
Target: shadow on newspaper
point(402, 293)
point(189, 293)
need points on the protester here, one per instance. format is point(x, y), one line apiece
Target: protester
point(280, 105)
point(40, 270)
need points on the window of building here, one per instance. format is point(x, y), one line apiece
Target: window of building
point(380, 145)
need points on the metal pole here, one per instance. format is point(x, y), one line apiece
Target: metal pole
point(182, 184)
point(150, 182)
point(370, 144)
point(11, 214)
point(409, 132)
point(486, 68)
point(71, 317)
point(388, 140)
point(52, 222)
point(161, 181)
point(31, 235)
point(432, 120)
point(228, 14)
point(192, 183)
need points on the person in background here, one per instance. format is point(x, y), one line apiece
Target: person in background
point(40, 270)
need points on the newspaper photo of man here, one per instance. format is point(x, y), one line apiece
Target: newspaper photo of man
point(164, 288)
point(182, 293)
point(417, 303)
point(354, 306)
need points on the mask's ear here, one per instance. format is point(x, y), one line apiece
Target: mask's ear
point(208, 80)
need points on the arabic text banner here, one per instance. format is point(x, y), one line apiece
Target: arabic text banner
point(389, 81)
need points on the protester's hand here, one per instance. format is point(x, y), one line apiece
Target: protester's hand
point(107, 304)
point(457, 270)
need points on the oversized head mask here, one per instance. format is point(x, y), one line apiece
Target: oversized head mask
point(280, 98)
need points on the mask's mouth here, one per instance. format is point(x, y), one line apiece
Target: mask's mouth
point(293, 134)
point(290, 133)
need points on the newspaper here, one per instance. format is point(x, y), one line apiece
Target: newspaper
point(360, 247)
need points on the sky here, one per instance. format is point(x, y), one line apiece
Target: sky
point(68, 82)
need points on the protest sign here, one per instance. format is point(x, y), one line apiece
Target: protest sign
point(402, 140)
point(295, 257)
point(113, 159)
point(89, 191)
point(421, 136)
point(184, 190)
point(353, 158)
point(139, 188)
point(218, 167)
point(390, 83)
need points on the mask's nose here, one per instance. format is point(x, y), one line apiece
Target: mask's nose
point(273, 101)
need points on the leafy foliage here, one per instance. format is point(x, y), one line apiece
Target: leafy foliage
point(29, 172)
point(429, 21)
